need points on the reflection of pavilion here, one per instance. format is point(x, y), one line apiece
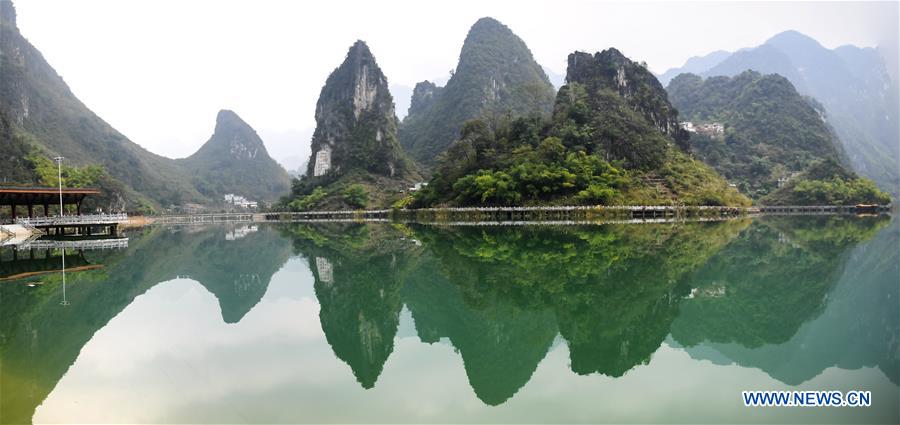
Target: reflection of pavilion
point(25, 263)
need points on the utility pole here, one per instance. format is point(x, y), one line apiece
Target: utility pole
point(59, 179)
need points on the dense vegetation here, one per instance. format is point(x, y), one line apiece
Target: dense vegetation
point(13, 150)
point(827, 183)
point(772, 134)
point(496, 75)
point(613, 139)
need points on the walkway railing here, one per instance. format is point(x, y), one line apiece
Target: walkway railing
point(85, 244)
point(73, 220)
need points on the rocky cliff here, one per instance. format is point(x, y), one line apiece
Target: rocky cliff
point(611, 71)
point(356, 127)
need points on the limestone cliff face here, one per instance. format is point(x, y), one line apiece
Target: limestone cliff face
point(356, 128)
point(235, 160)
point(610, 70)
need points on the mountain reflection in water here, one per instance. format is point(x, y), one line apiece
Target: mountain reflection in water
point(789, 296)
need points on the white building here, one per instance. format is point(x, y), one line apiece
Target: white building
point(323, 161)
point(240, 201)
point(239, 232)
point(325, 269)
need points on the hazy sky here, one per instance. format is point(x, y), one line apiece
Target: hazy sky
point(159, 70)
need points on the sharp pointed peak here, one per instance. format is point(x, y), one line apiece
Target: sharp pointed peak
point(226, 114)
point(228, 121)
point(226, 118)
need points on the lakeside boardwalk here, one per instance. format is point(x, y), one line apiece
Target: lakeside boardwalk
point(561, 214)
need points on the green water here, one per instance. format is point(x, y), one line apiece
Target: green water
point(410, 323)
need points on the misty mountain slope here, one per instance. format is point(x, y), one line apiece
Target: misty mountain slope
point(496, 74)
point(235, 160)
point(40, 106)
point(854, 86)
point(694, 65)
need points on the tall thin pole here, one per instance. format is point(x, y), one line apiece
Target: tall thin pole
point(59, 179)
point(65, 301)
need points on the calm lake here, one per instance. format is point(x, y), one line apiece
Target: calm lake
point(350, 322)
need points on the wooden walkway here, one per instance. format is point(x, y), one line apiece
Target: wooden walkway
point(80, 244)
point(823, 209)
point(519, 214)
point(206, 218)
point(75, 224)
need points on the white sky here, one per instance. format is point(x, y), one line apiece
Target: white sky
point(159, 70)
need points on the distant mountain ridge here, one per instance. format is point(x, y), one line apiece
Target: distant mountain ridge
point(853, 84)
point(695, 65)
point(496, 74)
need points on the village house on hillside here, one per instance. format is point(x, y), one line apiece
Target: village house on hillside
point(708, 129)
point(240, 201)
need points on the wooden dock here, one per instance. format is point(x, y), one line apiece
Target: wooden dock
point(82, 225)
